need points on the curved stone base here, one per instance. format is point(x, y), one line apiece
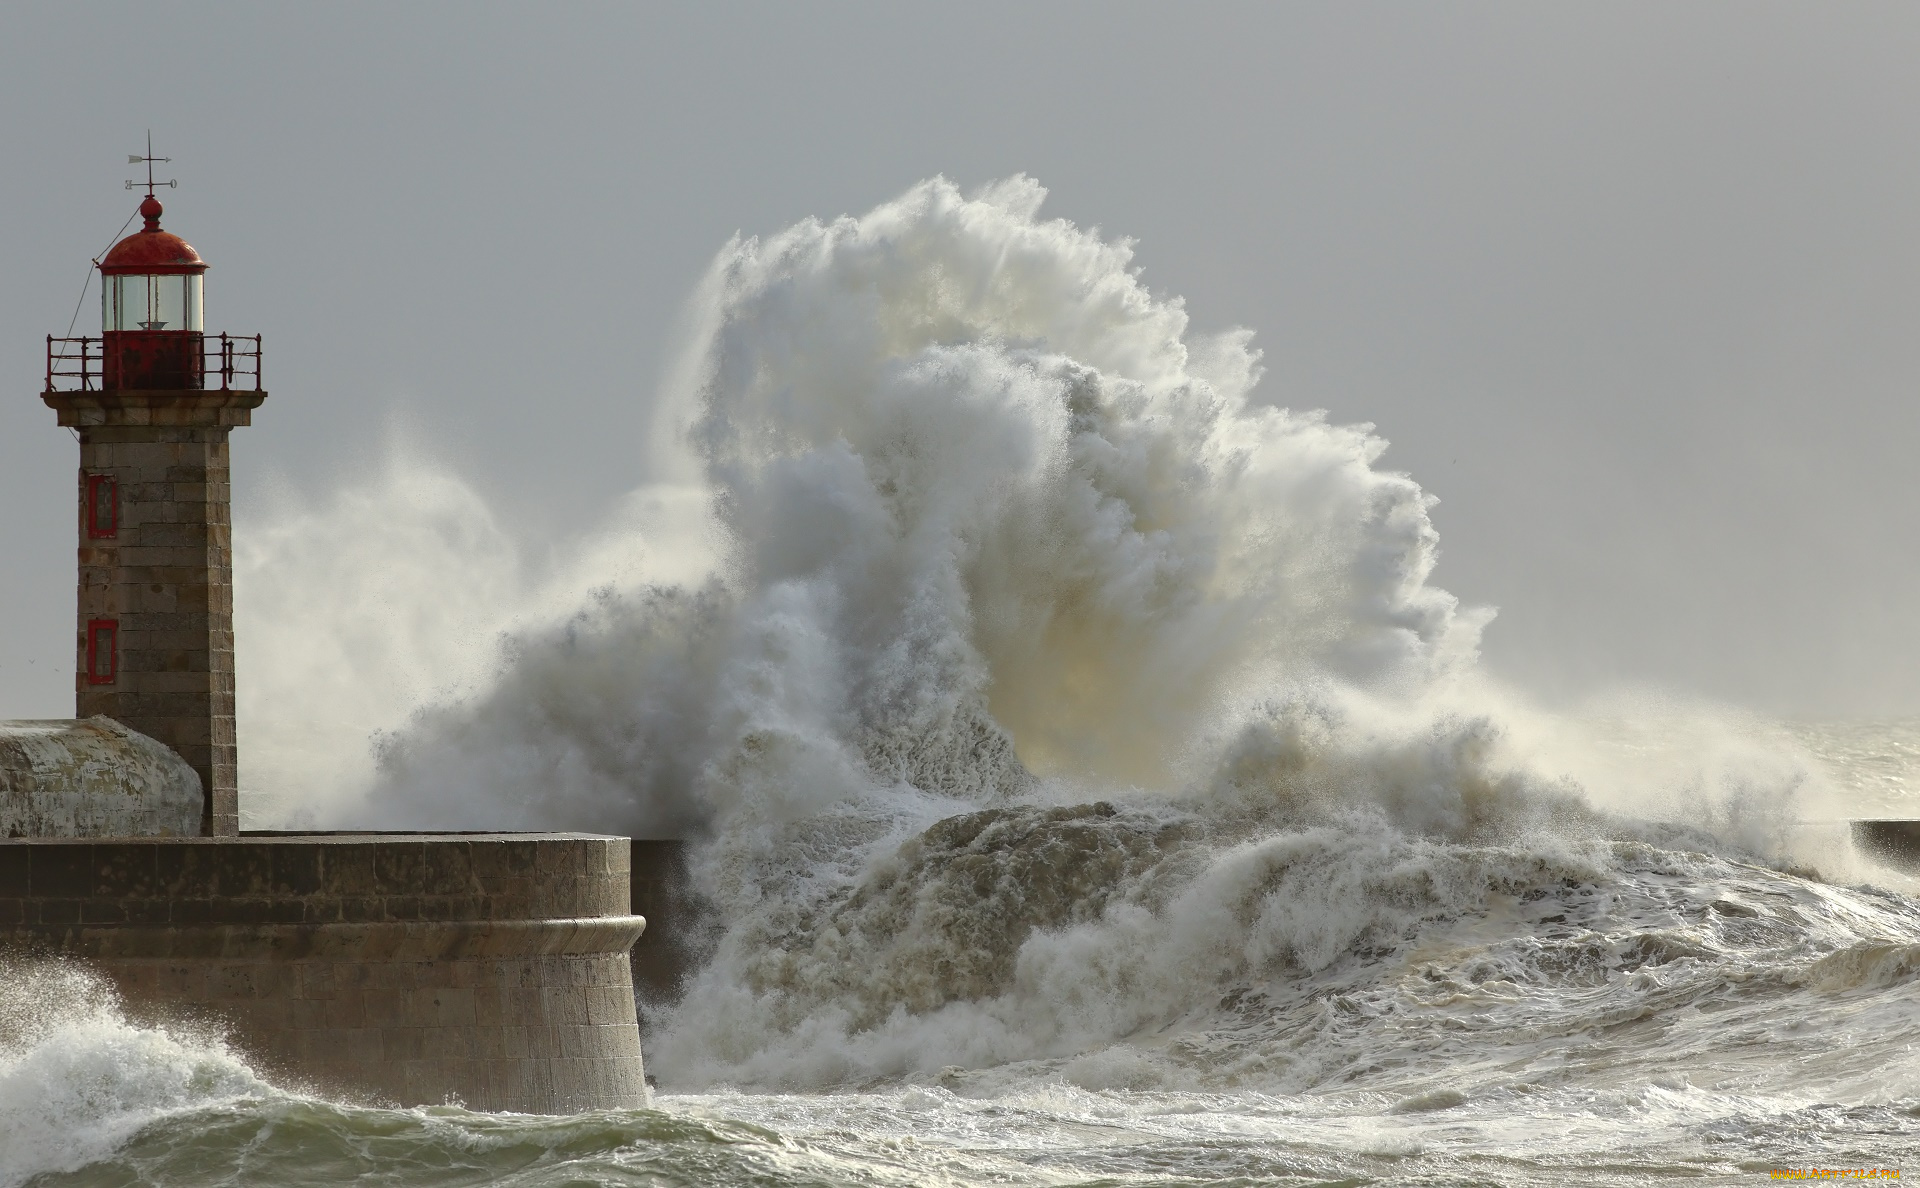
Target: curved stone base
point(531, 1035)
point(486, 969)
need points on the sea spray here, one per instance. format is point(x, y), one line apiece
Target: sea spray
point(78, 1079)
point(1047, 703)
point(984, 514)
point(394, 592)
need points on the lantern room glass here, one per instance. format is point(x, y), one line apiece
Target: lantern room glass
point(146, 302)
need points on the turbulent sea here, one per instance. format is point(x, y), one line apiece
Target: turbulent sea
point(1091, 789)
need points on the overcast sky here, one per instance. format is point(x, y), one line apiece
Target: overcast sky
point(1633, 289)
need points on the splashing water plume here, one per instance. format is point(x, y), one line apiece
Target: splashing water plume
point(1034, 689)
point(987, 515)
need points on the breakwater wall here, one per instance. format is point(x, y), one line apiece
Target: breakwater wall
point(406, 968)
point(1895, 843)
point(678, 922)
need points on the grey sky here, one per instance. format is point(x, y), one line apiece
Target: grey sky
point(1632, 288)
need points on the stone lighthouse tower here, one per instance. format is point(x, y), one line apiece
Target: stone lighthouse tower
point(394, 967)
point(152, 400)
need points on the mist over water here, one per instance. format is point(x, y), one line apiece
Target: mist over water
point(1068, 724)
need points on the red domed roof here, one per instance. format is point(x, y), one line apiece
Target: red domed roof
point(152, 250)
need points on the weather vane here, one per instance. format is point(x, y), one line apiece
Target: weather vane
point(149, 159)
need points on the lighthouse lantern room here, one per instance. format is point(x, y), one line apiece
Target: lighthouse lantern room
point(151, 309)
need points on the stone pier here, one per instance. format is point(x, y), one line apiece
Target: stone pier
point(410, 969)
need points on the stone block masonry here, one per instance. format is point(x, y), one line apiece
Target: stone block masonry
point(412, 969)
point(154, 638)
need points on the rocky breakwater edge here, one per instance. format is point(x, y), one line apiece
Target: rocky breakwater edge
point(409, 969)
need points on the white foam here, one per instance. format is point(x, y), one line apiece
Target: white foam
point(77, 1079)
point(967, 518)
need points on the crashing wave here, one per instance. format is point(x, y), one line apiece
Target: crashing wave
point(1045, 689)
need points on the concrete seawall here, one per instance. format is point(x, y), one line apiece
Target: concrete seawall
point(677, 923)
point(411, 968)
point(1895, 843)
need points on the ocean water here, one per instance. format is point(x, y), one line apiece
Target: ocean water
point(1525, 1013)
point(1092, 789)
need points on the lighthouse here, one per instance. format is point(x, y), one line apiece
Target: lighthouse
point(152, 399)
point(400, 967)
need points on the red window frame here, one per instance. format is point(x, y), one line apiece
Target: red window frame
point(99, 632)
point(95, 529)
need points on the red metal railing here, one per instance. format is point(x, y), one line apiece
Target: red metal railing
point(78, 364)
point(74, 364)
point(239, 358)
